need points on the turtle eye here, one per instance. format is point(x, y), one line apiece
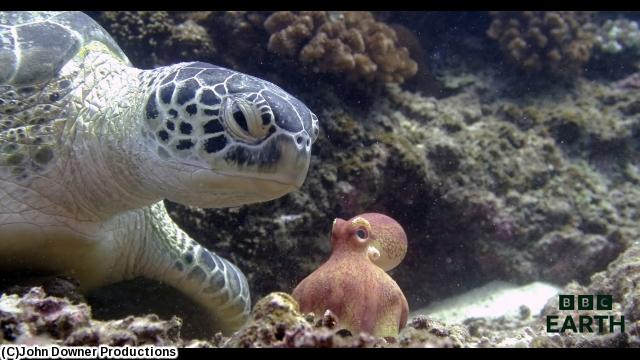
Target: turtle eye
point(243, 121)
point(235, 118)
point(362, 234)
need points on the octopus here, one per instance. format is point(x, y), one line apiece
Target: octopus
point(353, 283)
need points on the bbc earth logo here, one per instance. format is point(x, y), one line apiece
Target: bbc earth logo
point(585, 323)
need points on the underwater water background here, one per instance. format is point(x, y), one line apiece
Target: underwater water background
point(506, 144)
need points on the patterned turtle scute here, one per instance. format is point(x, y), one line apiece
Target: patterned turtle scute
point(44, 42)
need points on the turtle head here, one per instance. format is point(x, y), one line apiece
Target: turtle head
point(223, 138)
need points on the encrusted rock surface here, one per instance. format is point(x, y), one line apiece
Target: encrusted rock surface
point(37, 319)
point(622, 281)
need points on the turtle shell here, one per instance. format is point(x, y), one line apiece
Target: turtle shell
point(34, 46)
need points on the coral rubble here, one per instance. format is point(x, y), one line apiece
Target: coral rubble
point(276, 321)
point(37, 319)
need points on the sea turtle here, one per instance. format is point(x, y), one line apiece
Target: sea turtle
point(90, 146)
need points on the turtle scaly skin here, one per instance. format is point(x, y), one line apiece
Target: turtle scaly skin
point(90, 146)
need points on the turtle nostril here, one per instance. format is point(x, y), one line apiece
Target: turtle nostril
point(303, 141)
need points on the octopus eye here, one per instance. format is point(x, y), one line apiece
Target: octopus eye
point(361, 234)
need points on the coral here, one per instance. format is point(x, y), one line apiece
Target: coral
point(289, 31)
point(349, 43)
point(353, 283)
point(37, 319)
point(190, 41)
point(616, 36)
point(140, 33)
point(543, 41)
point(155, 38)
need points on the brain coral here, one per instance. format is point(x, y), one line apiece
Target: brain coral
point(352, 43)
point(543, 41)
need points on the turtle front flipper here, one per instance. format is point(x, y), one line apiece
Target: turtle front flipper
point(166, 253)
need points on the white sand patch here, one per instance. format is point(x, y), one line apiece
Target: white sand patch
point(495, 299)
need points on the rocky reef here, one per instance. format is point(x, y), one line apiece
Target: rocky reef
point(38, 319)
point(276, 322)
point(535, 187)
point(495, 178)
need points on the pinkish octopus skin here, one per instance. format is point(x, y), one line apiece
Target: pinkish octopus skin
point(353, 283)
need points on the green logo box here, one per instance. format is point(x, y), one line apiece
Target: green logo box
point(566, 302)
point(586, 302)
point(604, 302)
